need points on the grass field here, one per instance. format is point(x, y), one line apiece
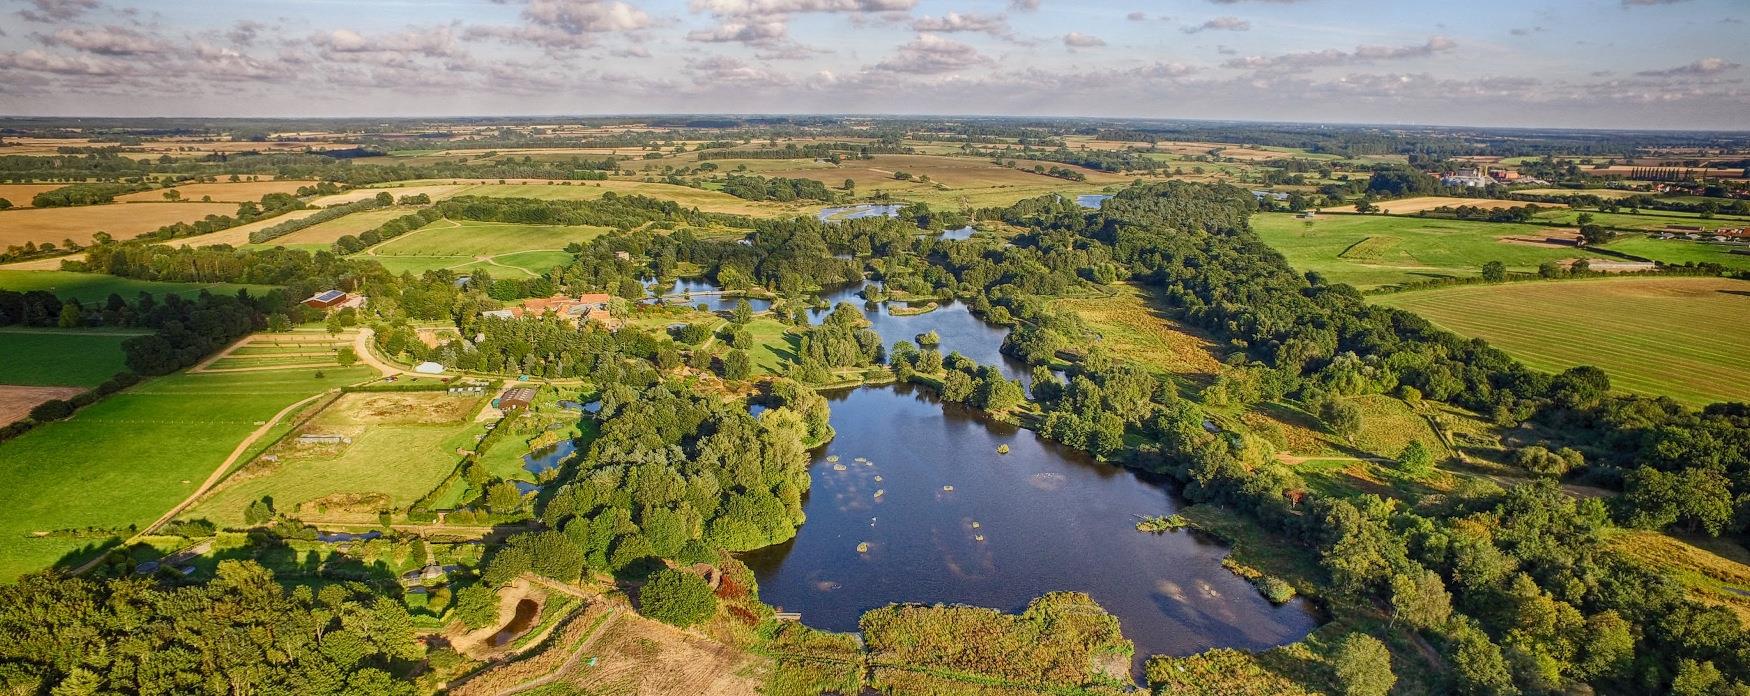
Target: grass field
point(127, 459)
point(467, 238)
point(1652, 220)
point(1680, 337)
point(222, 192)
point(1131, 324)
point(1677, 251)
point(120, 220)
point(1369, 251)
point(974, 180)
point(96, 287)
point(507, 249)
point(239, 235)
point(402, 445)
point(60, 357)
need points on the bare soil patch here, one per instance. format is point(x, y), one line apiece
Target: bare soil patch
point(16, 401)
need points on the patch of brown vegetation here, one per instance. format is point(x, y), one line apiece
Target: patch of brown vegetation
point(370, 408)
point(636, 655)
point(20, 194)
point(17, 401)
point(1416, 204)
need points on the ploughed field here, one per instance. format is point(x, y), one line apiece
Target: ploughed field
point(1678, 337)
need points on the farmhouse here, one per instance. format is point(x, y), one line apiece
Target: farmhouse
point(516, 398)
point(333, 300)
point(586, 307)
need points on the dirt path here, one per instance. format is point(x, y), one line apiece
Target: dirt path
point(361, 345)
point(202, 365)
point(570, 662)
point(213, 478)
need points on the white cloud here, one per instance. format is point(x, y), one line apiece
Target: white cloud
point(930, 54)
point(48, 11)
point(106, 41)
point(1076, 39)
point(1705, 66)
point(1220, 24)
point(1361, 54)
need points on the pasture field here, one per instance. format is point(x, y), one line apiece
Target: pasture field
point(128, 458)
point(1370, 251)
point(1650, 220)
point(222, 192)
point(483, 239)
point(120, 220)
point(954, 181)
point(96, 287)
point(1660, 336)
point(1132, 324)
point(325, 233)
point(1416, 204)
point(61, 357)
point(402, 444)
point(1678, 251)
point(20, 194)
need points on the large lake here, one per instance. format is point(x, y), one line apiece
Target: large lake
point(1051, 517)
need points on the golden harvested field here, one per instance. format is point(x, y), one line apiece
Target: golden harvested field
point(221, 192)
point(120, 220)
point(435, 191)
point(239, 235)
point(1416, 204)
point(20, 194)
point(16, 402)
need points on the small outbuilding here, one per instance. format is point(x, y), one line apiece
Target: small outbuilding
point(516, 398)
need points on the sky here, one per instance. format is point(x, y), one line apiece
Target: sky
point(1657, 64)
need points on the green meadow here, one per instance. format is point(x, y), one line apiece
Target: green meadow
point(1659, 336)
point(130, 457)
point(60, 357)
point(1370, 251)
point(96, 287)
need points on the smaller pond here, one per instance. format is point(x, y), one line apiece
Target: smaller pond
point(1092, 200)
point(551, 457)
point(526, 611)
point(852, 212)
point(698, 290)
point(961, 233)
point(591, 407)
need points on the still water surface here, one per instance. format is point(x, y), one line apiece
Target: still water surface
point(931, 483)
